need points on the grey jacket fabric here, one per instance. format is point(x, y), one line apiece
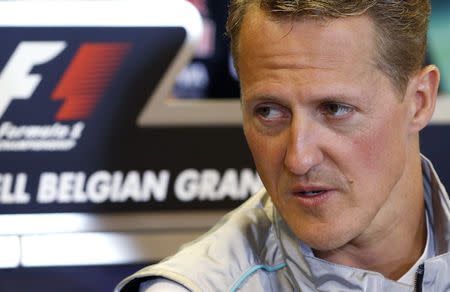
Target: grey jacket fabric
point(253, 249)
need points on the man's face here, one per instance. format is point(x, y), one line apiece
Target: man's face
point(327, 130)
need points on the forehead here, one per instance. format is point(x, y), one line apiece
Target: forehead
point(306, 42)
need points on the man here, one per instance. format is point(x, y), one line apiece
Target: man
point(334, 94)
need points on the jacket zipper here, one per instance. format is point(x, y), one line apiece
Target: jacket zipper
point(419, 278)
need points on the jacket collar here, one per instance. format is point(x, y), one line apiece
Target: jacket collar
point(437, 203)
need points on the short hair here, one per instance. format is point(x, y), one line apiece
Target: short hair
point(401, 27)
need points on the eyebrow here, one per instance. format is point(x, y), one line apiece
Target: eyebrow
point(324, 99)
point(262, 98)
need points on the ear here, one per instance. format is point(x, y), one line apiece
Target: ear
point(423, 89)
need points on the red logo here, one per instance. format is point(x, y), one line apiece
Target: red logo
point(87, 77)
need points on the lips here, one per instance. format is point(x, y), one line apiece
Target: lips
point(312, 196)
point(310, 190)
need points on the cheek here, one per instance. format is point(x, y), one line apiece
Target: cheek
point(377, 155)
point(369, 148)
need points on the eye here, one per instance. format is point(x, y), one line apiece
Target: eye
point(336, 110)
point(270, 112)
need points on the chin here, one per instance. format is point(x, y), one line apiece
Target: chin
point(325, 241)
point(325, 246)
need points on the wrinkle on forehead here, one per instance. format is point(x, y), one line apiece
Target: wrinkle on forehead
point(260, 27)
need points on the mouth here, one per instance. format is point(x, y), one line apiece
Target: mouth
point(312, 198)
point(311, 194)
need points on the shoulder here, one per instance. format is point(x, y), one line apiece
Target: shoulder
point(241, 240)
point(161, 285)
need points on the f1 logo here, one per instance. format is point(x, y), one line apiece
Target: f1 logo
point(16, 82)
point(82, 84)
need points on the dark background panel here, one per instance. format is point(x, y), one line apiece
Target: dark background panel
point(68, 279)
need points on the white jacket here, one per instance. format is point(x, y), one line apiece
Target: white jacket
point(253, 249)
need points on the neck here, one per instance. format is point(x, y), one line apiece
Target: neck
point(397, 241)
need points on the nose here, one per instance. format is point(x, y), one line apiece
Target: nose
point(303, 151)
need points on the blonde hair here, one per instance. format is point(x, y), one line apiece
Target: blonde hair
point(401, 27)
